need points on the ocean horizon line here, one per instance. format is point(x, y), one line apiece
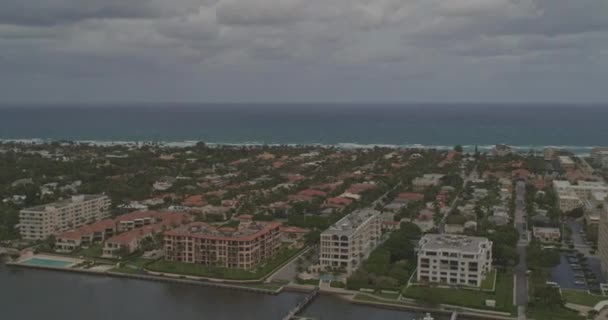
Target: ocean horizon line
point(151, 104)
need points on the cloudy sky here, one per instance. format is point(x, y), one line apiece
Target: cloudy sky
point(304, 50)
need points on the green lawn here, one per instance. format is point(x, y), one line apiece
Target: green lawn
point(391, 296)
point(314, 282)
point(365, 297)
point(138, 262)
point(94, 251)
point(582, 297)
point(554, 314)
point(488, 282)
point(219, 272)
point(467, 297)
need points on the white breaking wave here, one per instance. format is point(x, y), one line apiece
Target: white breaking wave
point(579, 150)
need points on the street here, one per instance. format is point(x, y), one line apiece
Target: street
point(521, 278)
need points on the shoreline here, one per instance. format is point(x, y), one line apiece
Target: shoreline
point(297, 288)
point(146, 277)
point(579, 150)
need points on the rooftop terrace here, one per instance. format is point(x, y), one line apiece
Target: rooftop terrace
point(452, 242)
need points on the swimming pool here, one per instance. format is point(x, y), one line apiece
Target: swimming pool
point(47, 262)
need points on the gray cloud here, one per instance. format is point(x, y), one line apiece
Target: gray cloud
point(304, 50)
point(52, 12)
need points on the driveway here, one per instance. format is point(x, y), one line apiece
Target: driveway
point(290, 271)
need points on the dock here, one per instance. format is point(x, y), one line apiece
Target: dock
point(301, 305)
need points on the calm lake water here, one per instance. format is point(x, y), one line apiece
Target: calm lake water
point(36, 294)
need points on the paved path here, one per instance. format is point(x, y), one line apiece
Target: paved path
point(603, 315)
point(290, 270)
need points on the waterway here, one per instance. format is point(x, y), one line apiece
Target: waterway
point(37, 294)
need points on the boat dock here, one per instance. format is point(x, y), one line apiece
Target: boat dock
point(301, 305)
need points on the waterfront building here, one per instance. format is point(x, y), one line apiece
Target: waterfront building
point(38, 223)
point(136, 226)
point(350, 240)
point(501, 150)
point(85, 236)
point(247, 246)
point(454, 259)
point(549, 153)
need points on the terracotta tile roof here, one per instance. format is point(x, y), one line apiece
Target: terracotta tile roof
point(88, 230)
point(293, 230)
point(194, 201)
point(414, 196)
point(168, 220)
point(128, 237)
point(201, 230)
point(338, 201)
point(298, 198)
point(312, 193)
point(361, 187)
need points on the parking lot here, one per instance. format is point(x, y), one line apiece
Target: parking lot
point(578, 269)
point(578, 235)
point(576, 272)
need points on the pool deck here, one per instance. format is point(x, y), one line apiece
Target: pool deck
point(67, 262)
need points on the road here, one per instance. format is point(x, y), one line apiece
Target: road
point(521, 277)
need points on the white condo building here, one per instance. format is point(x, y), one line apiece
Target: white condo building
point(454, 259)
point(38, 223)
point(350, 240)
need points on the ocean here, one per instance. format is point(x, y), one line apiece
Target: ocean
point(525, 126)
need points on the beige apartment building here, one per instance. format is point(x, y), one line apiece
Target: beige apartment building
point(350, 240)
point(244, 247)
point(454, 259)
point(38, 223)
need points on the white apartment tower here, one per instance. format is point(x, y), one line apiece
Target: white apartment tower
point(350, 240)
point(454, 259)
point(38, 223)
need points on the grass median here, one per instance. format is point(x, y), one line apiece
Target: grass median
point(582, 297)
